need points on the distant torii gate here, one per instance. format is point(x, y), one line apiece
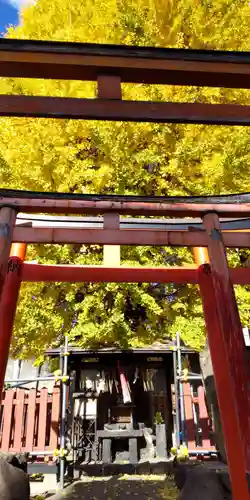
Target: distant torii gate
point(110, 66)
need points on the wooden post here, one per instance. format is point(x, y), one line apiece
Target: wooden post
point(111, 253)
point(200, 255)
point(7, 221)
point(109, 87)
point(228, 357)
point(201, 258)
point(8, 304)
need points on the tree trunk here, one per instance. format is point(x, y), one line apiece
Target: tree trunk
point(212, 402)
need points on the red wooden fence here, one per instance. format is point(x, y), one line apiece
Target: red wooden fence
point(198, 424)
point(29, 420)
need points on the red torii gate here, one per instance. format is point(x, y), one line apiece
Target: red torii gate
point(110, 66)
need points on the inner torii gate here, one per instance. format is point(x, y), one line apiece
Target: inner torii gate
point(110, 66)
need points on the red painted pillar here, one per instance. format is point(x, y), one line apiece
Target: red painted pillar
point(228, 357)
point(8, 304)
point(200, 255)
point(7, 222)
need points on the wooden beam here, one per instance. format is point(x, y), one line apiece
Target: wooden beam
point(115, 110)
point(110, 236)
point(173, 224)
point(229, 359)
point(240, 275)
point(236, 239)
point(231, 239)
point(119, 274)
point(233, 206)
point(78, 61)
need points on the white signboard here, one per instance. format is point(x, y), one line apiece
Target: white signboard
point(246, 336)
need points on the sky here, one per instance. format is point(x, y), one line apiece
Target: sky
point(9, 13)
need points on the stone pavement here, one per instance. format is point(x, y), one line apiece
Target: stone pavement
point(120, 488)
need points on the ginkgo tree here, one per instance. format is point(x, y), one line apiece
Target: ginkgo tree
point(123, 158)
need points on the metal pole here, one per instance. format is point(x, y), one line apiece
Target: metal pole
point(40, 453)
point(202, 452)
point(182, 410)
point(177, 415)
point(195, 416)
point(38, 375)
point(63, 413)
point(30, 380)
point(72, 418)
point(61, 367)
point(189, 377)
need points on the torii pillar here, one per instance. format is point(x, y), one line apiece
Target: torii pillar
point(8, 304)
point(228, 355)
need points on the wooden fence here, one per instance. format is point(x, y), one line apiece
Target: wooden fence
point(29, 420)
point(198, 424)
